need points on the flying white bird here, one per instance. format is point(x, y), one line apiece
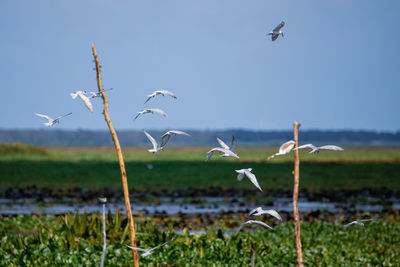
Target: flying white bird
point(165, 137)
point(51, 121)
point(277, 31)
point(359, 222)
point(225, 146)
point(317, 149)
point(156, 147)
point(284, 149)
point(227, 153)
point(159, 92)
point(259, 211)
point(252, 222)
point(86, 100)
point(148, 251)
point(247, 172)
point(152, 111)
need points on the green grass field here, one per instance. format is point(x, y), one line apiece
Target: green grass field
point(174, 168)
point(76, 240)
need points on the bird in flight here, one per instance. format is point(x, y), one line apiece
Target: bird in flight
point(152, 111)
point(284, 149)
point(252, 222)
point(359, 222)
point(156, 146)
point(148, 251)
point(165, 137)
point(277, 31)
point(317, 149)
point(259, 211)
point(51, 121)
point(86, 100)
point(225, 146)
point(251, 176)
point(159, 92)
point(227, 153)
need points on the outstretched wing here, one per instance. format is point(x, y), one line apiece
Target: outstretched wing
point(252, 178)
point(152, 140)
point(233, 144)
point(332, 147)
point(165, 138)
point(273, 213)
point(222, 144)
point(260, 223)
point(86, 101)
point(44, 116)
point(305, 146)
point(159, 111)
point(349, 224)
point(278, 28)
point(256, 210)
point(286, 147)
point(63, 116)
point(176, 132)
point(138, 249)
point(165, 92)
point(163, 244)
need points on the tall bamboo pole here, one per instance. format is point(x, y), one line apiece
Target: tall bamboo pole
point(120, 159)
point(296, 215)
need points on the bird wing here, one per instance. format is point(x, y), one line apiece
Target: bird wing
point(178, 132)
point(222, 144)
point(349, 224)
point(63, 116)
point(165, 138)
point(273, 213)
point(286, 147)
point(167, 93)
point(305, 146)
point(74, 94)
point(86, 101)
point(44, 116)
point(209, 155)
point(259, 223)
point(256, 210)
point(239, 228)
point(331, 147)
point(252, 178)
point(163, 244)
point(152, 140)
point(159, 111)
point(280, 25)
point(138, 249)
point(233, 144)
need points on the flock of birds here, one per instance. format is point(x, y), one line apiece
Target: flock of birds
point(224, 149)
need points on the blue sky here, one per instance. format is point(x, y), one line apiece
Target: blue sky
point(337, 66)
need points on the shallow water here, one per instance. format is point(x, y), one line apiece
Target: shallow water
point(167, 206)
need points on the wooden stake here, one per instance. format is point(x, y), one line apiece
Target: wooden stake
point(296, 215)
point(120, 160)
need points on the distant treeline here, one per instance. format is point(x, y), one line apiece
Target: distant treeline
point(87, 138)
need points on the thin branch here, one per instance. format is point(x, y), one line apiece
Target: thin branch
point(296, 215)
point(120, 160)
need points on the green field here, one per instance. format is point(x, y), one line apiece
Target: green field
point(75, 240)
point(175, 168)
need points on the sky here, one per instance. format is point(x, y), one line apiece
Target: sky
point(337, 66)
